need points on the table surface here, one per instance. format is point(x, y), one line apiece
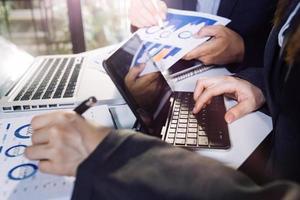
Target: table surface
point(245, 134)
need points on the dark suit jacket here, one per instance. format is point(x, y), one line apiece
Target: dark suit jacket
point(128, 165)
point(131, 166)
point(251, 19)
point(281, 89)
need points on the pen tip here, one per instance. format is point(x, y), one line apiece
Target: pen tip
point(91, 101)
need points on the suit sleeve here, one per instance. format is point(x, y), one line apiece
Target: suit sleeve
point(130, 165)
point(253, 21)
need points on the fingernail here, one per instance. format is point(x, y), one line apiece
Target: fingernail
point(229, 118)
point(194, 111)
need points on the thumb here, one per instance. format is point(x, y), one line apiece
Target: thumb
point(208, 31)
point(236, 112)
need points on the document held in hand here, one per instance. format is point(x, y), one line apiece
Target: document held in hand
point(169, 44)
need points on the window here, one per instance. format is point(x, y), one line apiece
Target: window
point(42, 26)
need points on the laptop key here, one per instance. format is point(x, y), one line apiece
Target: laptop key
point(174, 121)
point(191, 141)
point(184, 112)
point(192, 130)
point(181, 130)
point(175, 117)
point(177, 109)
point(170, 140)
point(202, 140)
point(193, 125)
point(182, 125)
point(192, 135)
point(184, 121)
point(192, 120)
point(179, 141)
point(201, 133)
point(183, 116)
point(184, 108)
point(180, 135)
point(173, 126)
point(172, 130)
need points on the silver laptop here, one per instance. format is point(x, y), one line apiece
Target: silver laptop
point(52, 82)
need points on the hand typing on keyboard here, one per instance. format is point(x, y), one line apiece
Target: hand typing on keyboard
point(248, 96)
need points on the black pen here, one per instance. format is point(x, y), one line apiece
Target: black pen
point(85, 105)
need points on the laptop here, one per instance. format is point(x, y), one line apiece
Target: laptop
point(52, 82)
point(162, 112)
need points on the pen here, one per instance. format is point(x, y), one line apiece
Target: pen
point(85, 105)
point(160, 21)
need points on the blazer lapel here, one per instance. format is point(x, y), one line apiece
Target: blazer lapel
point(182, 4)
point(274, 69)
point(226, 7)
point(190, 5)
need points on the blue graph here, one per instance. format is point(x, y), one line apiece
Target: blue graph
point(22, 172)
point(151, 50)
point(15, 151)
point(19, 132)
point(178, 21)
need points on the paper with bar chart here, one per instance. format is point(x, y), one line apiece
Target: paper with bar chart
point(169, 44)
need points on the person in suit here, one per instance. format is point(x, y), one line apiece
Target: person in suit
point(123, 164)
point(279, 89)
point(240, 44)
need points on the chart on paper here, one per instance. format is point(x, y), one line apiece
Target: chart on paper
point(19, 177)
point(169, 44)
point(178, 27)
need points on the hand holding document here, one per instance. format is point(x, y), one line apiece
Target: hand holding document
point(168, 45)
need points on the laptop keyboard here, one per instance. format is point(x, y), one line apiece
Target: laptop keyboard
point(55, 78)
point(207, 129)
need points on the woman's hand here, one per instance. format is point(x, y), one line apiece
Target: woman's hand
point(248, 96)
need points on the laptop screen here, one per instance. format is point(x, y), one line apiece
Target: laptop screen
point(13, 64)
point(144, 88)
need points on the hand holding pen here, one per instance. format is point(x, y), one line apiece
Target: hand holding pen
point(145, 13)
point(62, 140)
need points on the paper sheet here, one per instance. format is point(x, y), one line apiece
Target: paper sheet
point(19, 177)
point(168, 45)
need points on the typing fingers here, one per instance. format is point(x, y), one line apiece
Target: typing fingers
point(202, 84)
point(209, 93)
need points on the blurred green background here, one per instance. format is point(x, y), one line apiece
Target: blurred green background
point(42, 26)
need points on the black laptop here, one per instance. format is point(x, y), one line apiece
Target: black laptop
point(160, 111)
